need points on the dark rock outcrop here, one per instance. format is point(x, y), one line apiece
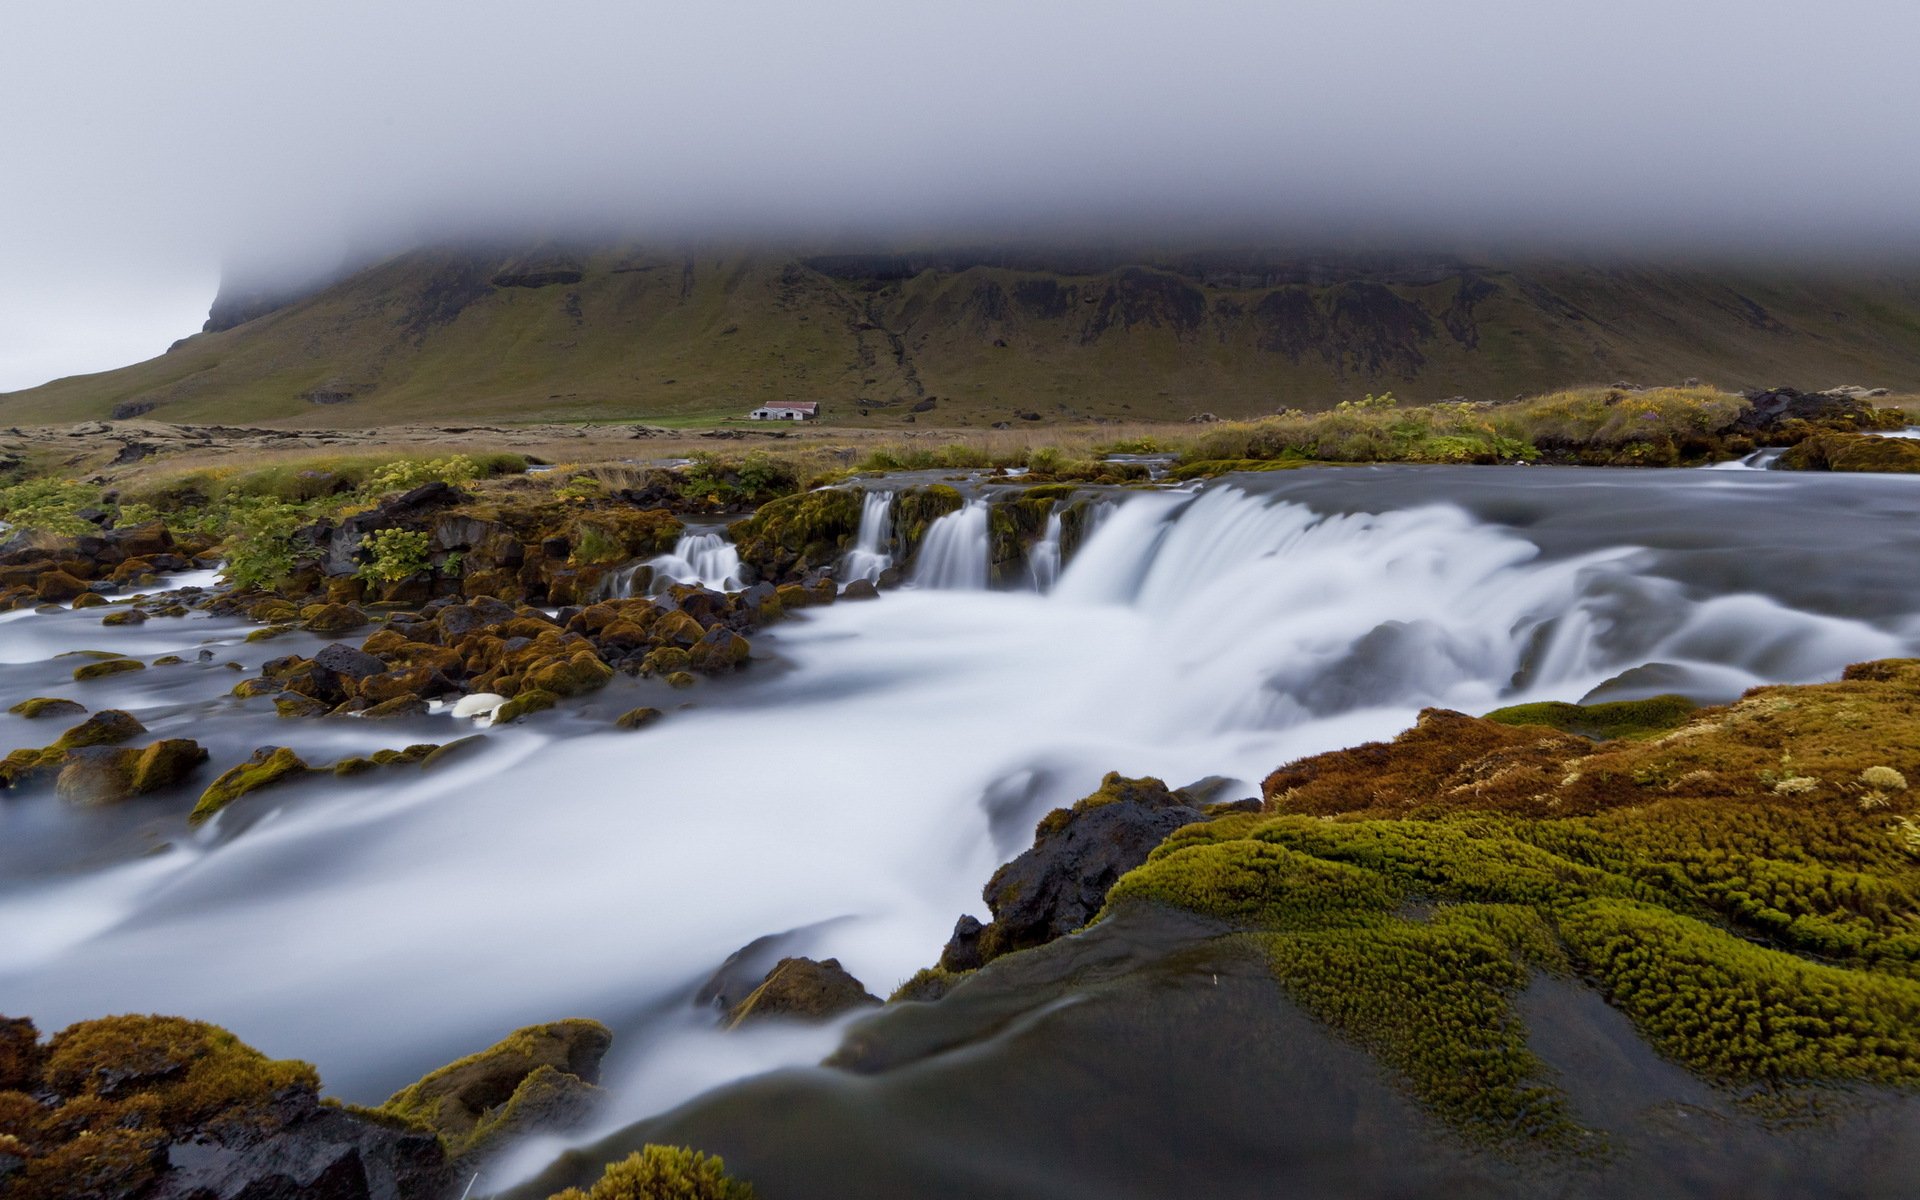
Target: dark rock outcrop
point(1059, 884)
point(805, 989)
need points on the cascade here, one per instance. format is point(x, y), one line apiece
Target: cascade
point(953, 555)
point(872, 551)
point(707, 559)
point(1043, 560)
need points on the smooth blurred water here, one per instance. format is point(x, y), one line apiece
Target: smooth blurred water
point(861, 790)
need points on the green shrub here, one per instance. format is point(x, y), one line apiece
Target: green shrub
point(393, 555)
point(259, 547)
point(49, 506)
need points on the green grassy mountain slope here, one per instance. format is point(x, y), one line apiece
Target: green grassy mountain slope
point(625, 333)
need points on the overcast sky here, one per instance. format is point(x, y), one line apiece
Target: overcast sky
point(143, 145)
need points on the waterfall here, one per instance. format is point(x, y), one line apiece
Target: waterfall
point(1043, 561)
point(953, 555)
point(707, 559)
point(872, 551)
point(1218, 632)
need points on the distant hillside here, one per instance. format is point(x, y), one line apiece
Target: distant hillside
point(979, 338)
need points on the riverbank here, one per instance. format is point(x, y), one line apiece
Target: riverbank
point(400, 913)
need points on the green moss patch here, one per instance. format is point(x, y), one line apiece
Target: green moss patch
point(1758, 934)
point(1614, 719)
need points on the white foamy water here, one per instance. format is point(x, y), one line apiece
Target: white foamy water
point(707, 559)
point(872, 551)
point(864, 795)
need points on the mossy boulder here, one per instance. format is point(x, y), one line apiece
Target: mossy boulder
point(794, 535)
point(664, 1173)
point(89, 599)
point(103, 775)
point(611, 535)
point(104, 728)
point(109, 1109)
point(718, 651)
point(125, 616)
point(58, 587)
point(677, 628)
point(539, 1077)
point(268, 766)
point(802, 989)
point(1854, 452)
point(525, 703)
point(637, 718)
point(47, 706)
point(574, 675)
point(667, 660)
point(107, 667)
point(914, 512)
point(332, 618)
point(293, 704)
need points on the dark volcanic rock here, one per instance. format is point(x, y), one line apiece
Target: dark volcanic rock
point(1078, 853)
point(349, 661)
point(1768, 411)
point(317, 1153)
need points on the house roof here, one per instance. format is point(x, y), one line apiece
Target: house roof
point(802, 405)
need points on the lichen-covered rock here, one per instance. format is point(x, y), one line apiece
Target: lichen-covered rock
point(107, 667)
point(801, 988)
point(574, 675)
point(269, 765)
point(102, 775)
point(637, 718)
point(293, 704)
point(1854, 452)
point(332, 618)
point(524, 703)
point(1062, 881)
point(58, 587)
point(47, 706)
point(789, 537)
point(125, 616)
point(542, 1076)
point(161, 1108)
point(104, 728)
point(718, 651)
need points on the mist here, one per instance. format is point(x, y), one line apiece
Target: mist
point(148, 149)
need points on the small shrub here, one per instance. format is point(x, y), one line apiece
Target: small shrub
point(393, 555)
point(259, 543)
point(49, 506)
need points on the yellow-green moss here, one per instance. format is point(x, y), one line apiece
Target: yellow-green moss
point(1402, 892)
point(268, 766)
point(47, 706)
point(664, 1173)
point(528, 701)
point(111, 666)
point(1613, 719)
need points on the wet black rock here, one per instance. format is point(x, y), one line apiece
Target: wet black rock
point(348, 661)
point(316, 1152)
point(1061, 883)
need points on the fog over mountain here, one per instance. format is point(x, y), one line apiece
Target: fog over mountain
point(149, 148)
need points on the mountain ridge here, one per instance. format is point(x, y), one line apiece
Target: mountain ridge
point(968, 337)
